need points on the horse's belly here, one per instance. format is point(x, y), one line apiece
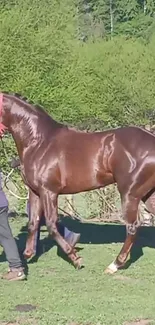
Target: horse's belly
point(86, 182)
point(77, 189)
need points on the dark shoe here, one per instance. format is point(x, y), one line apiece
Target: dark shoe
point(16, 274)
point(73, 238)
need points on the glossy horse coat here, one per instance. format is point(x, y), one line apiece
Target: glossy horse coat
point(56, 159)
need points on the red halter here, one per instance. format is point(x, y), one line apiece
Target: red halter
point(2, 126)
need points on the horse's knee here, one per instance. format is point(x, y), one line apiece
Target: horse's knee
point(32, 225)
point(52, 228)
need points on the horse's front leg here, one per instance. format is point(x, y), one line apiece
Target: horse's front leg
point(130, 211)
point(49, 203)
point(35, 213)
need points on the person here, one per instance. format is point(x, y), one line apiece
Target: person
point(71, 237)
point(7, 241)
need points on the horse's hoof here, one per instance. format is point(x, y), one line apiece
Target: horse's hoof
point(28, 254)
point(111, 269)
point(78, 263)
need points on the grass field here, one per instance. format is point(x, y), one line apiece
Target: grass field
point(65, 296)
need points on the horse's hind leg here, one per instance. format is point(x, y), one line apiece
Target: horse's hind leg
point(49, 202)
point(149, 201)
point(130, 211)
point(35, 215)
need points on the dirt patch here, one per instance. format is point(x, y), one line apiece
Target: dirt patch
point(140, 322)
point(24, 308)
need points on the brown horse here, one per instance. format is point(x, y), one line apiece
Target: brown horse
point(56, 159)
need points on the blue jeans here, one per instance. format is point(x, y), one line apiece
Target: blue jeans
point(7, 241)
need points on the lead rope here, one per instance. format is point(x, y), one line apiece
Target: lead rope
point(7, 177)
point(6, 180)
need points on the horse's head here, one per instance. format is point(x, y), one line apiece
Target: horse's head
point(9, 112)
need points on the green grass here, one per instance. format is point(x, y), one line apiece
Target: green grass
point(66, 296)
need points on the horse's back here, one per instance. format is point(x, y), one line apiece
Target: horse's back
point(135, 138)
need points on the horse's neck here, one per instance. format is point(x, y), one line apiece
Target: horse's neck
point(29, 124)
point(23, 136)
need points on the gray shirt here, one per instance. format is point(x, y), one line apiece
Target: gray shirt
point(3, 199)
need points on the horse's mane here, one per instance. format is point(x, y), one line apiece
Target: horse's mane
point(25, 100)
point(40, 108)
point(35, 107)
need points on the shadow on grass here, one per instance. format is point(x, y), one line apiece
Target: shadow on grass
point(112, 233)
point(92, 233)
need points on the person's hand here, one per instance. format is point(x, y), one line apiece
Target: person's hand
point(14, 163)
